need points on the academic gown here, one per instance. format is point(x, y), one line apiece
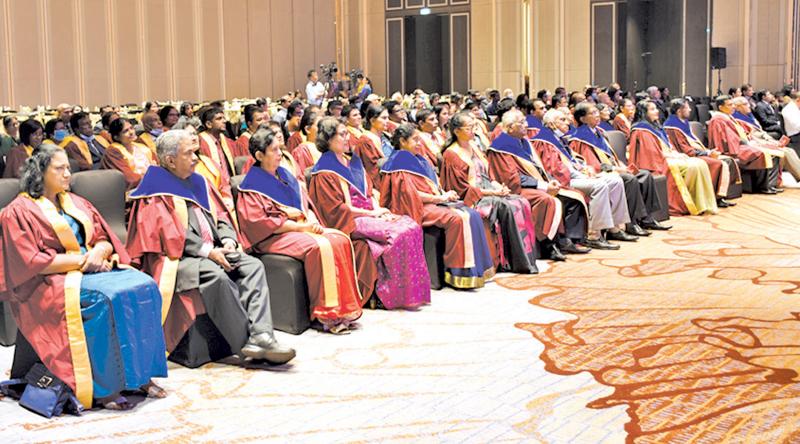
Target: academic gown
point(243, 145)
point(79, 150)
point(369, 149)
point(222, 151)
point(133, 163)
point(467, 257)
point(264, 204)
point(16, 160)
point(430, 149)
point(295, 139)
point(52, 311)
point(149, 141)
point(514, 163)
point(723, 169)
point(161, 227)
point(621, 123)
point(306, 155)
point(689, 186)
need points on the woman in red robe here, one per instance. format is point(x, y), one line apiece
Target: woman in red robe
point(275, 218)
point(409, 186)
point(374, 146)
point(507, 218)
point(125, 155)
point(306, 154)
point(31, 134)
point(341, 190)
point(622, 121)
point(92, 323)
point(354, 129)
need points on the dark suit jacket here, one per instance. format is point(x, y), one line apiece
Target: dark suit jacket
point(767, 117)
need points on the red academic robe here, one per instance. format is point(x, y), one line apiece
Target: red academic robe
point(222, 151)
point(724, 136)
point(295, 140)
point(78, 150)
point(352, 137)
point(621, 123)
point(327, 258)
point(327, 192)
point(306, 155)
point(156, 239)
point(552, 161)
point(594, 157)
point(117, 157)
point(368, 148)
point(644, 151)
point(391, 126)
point(243, 145)
point(721, 174)
point(399, 193)
point(44, 311)
point(430, 149)
point(15, 160)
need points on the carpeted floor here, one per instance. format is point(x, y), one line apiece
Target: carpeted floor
point(688, 336)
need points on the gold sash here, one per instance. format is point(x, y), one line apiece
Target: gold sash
point(212, 147)
point(81, 144)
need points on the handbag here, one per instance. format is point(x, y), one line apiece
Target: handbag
point(47, 395)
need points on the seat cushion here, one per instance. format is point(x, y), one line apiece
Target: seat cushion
point(288, 293)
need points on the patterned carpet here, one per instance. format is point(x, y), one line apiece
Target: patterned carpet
point(688, 336)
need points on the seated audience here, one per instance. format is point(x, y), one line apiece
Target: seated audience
point(180, 233)
point(169, 116)
point(355, 130)
point(410, 186)
point(254, 117)
point(294, 113)
point(276, 218)
point(507, 218)
point(757, 136)
point(11, 137)
point(85, 147)
point(388, 247)
point(216, 145)
point(306, 154)
point(766, 114)
point(125, 155)
point(622, 121)
point(374, 145)
point(31, 135)
point(94, 325)
point(605, 117)
point(429, 146)
point(54, 132)
point(689, 186)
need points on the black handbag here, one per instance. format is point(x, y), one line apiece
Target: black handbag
point(43, 393)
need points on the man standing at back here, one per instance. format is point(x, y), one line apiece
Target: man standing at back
point(315, 90)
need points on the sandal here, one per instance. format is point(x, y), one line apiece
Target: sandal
point(118, 403)
point(338, 329)
point(154, 391)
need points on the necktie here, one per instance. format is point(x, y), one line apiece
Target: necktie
point(205, 228)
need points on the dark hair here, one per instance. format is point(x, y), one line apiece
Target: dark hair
point(292, 108)
point(556, 98)
point(261, 102)
point(250, 112)
point(503, 107)
point(720, 100)
point(389, 104)
point(527, 106)
point(310, 71)
point(641, 110)
point(403, 131)
point(469, 105)
point(760, 94)
point(7, 120)
point(306, 121)
point(74, 120)
point(105, 120)
point(50, 127)
point(423, 114)
point(676, 104)
point(457, 121)
point(32, 172)
point(372, 112)
point(334, 103)
point(326, 130)
point(27, 128)
point(732, 90)
point(163, 113)
point(209, 113)
point(541, 94)
point(184, 107)
point(582, 110)
point(116, 127)
point(348, 109)
point(521, 98)
point(439, 108)
point(259, 141)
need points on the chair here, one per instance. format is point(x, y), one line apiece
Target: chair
point(434, 246)
point(618, 143)
point(239, 163)
point(9, 188)
point(286, 279)
point(703, 113)
point(105, 189)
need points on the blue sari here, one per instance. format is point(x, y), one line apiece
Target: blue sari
point(121, 313)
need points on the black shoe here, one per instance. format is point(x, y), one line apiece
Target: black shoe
point(654, 225)
point(600, 244)
point(571, 248)
point(556, 254)
point(721, 203)
point(778, 190)
point(265, 346)
point(768, 191)
point(636, 230)
point(621, 236)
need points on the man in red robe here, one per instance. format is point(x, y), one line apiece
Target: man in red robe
point(215, 145)
point(180, 233)
point(84, 147)
point(725, 135)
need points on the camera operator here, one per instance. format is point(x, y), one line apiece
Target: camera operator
point(315, 90)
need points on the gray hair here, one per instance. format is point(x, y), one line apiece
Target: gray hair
point(510, 117)
point(551, 116)
point(32, 177)
point(652, 90)
point(167, 143)
point(184, 121)
point(741, 100)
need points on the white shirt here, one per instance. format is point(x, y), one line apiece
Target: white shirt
point(315, 92)
point(791, 118)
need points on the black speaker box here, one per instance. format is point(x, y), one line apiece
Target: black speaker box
point(719, 59)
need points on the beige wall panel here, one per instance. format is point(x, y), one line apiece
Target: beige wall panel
point(304, 32)
point(576, 38)
point(260, 55)
point(237, 46)
point(353, 34)
point(324, 31)
point(727, 23)
point(63, 51)
point(482, 45)
point(6, 88)
point(27, 52)
point(187, 80)
point(126, 41)
point(376, 49)
point(96, 40)
point(158, 75)
point(546, 52)
point(281, 33)
point(212, 59)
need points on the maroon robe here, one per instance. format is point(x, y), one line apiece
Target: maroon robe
point(118, 157)
point(724, 136)
point(644, 151)
point(716, 166)
point(15, 160)
point(621, 123)
point(368, 148)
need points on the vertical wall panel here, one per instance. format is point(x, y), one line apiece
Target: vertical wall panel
point(237, 69)
point(187, 78)
point(62, 51)
point(304, 38)
point(324, 27)
point(27, 52)
point(96, 40)
point(212, 60)
point(157, 66)
point(126, 41)
point(281, 33)
point(6, 88)
point(603, 44)
point(260, 54)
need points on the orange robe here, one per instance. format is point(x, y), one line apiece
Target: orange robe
point(148, 140)
point(430, 149)
point(78, 149)
point(222, 151)
point(295, 139)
